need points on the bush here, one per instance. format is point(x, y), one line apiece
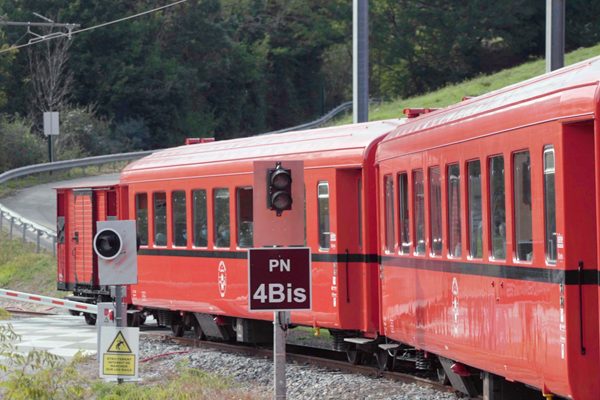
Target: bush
point(18, 145)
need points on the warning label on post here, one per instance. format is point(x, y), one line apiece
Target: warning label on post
point(119, 347)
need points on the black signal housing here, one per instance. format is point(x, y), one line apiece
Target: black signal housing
point(279, 189)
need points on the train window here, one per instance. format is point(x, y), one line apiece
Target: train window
point(522, 196)
point(497, 208)
point(160, 219)
point(141, 217)
point(179, 218)
point(323, 202)
point(221, 217)
point(454, 219)
point(549, 204)
point(244, 217)
point(404, 228)
point(435, 211)
point(419, 200)
point(200, 223)
point(389, 213)
point(111, 205)
point(475, 222)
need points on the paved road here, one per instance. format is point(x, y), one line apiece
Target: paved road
point(38, 203)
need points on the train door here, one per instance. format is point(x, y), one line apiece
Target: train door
point(575, 248)
point(82, 219)
point(357, 279)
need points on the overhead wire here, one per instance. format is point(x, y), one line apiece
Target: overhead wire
point(74, 32)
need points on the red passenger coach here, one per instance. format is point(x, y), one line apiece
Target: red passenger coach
point(489, 218)
point(193, 206)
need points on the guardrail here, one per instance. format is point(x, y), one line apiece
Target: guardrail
point(11, 221)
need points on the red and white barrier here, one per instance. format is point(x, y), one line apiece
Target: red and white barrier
point(49, 301)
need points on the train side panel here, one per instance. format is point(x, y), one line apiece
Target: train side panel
point(517, 314)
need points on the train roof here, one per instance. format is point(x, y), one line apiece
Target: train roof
point(314, 146)
point(523, 94)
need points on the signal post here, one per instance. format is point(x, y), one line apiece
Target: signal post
point(279, 278)
point(115, 245)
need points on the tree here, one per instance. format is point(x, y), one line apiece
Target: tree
point(51, 80)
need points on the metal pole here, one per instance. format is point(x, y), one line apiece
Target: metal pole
point(50, 151)
point(53, 246)
point(119, 319)
point(12, 224)
point(24, 231)
point(37, 247)
point(1, 220)
point(360, 61)
point(555, 34)
point(280, 321)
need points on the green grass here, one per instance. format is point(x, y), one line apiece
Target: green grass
point(454, 93)
point(12, 186)
point(22, 269)
point(185, 383)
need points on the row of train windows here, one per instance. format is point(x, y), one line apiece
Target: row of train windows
point(497, 216)
point(221, 217)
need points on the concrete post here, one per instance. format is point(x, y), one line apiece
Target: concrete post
point(555, 34)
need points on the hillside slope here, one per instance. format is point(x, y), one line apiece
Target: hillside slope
point(483, 84)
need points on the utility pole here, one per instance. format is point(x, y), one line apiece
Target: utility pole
point(360, 61)
point(555, 34)
point(48, 24)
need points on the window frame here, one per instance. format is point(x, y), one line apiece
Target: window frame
point(238, 220)
point(470, 213)
point(404, 224)
point(154, 217)
point(145, 194)
point(549, 148)
point(194, 214)
point(419, 217)
point(435, 250)
point(459, 211)
point(493, 208)
point(389, 216)
point(319, 232)
point(174, 231)
point(517, 221)
point(216, 239)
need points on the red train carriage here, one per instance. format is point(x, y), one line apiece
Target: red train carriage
point(489, 233)
point(193, 206)
point(78, 209)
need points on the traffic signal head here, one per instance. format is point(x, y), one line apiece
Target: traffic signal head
point(279, 189)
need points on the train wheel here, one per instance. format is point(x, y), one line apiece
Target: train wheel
point(383, 360)
point(442, 377)
point(90, 319)
point(75, 313)
point(178, 329)
point(198, 333)
point(353, 355)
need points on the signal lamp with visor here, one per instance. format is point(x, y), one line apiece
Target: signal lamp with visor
point(279, 189)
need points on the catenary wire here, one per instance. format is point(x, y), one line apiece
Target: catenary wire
point(68, 34)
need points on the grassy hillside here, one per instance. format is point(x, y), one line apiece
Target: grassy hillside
point(22, 269)
point(454, 93)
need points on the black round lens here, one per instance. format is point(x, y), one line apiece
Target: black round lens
point(108, 244)
point(281, 179)
point(281, 200)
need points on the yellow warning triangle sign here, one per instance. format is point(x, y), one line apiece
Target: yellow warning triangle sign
point(119, 344)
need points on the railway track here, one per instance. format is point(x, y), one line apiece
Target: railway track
point(302, 355)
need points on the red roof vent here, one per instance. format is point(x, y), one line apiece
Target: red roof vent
point(196, 140)
point(415, 112)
